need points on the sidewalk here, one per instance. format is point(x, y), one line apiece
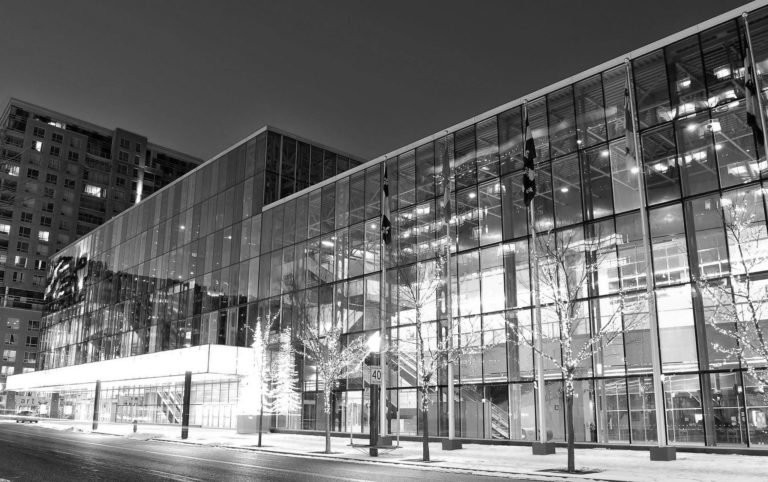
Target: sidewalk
point(613, 465)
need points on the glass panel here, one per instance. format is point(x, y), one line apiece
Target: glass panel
point(686, 76)
point(342, 203)
point(489, 203)
point(511, 140)
point(727, 417)
point(651, 93)
point(373, 192)
point(425, 172)
point(465, 171)
point(614, 83)
point(543, 203)
point(670, 260)
point(567, 191)
point(523, 412)
point(661, 172)
point(613, 411)
point(590, 115)
point(757, 411)
point(735, 146)
point(685, 421)
point(562, 125)
point(626, 178)
point(598, 195)
point(722, 61)
point(696, 154)
point(514, 212)
point(708, 236)
point(357, 198)
point(517, 274)
point(537, 116)
point(642, 409)
point(466, 219)
point(487, 149)
point(676, 333)
point(407, 178)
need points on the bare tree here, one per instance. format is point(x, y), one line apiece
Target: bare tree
point(335, 354)
point(418, 287)
point(567, 264)
point(739, 301)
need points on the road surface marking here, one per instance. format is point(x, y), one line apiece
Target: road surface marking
point(238, 464)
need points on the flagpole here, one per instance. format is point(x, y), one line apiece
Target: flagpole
point(663, 452)
point(449, 300)
point(541, 405)
point(756, 80)
point(383, 341)
point(384, 312)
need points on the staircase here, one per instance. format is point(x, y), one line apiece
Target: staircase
point(172, 405)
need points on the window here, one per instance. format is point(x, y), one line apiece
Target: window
point(33, 325)
point(22, 247)
point(10, 339)
point(49, 193)
point(51, 178)
point(5, 228)
point(26, 217)
point(30, 357)
point(123, 156)
point(38, 146)
point(38, 280)
point(45, 221)
point(7, 370)
point(73, 156)
point(42, 249)
point(120, 182)
point(9, 356)
point(94, 190)
point(17, 277)
point(38, 132)
point(40, 264)
point(31, 342)
point(43, 235)
point(33, 173)
point(24, 232)
point(48, 207)
point(125, 143)
point(20, 261)
point(13, 323)
point(57, 138)
point(55, 151)
point(69, 183)
point(13, 171)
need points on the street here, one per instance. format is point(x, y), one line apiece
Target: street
point(38, 453)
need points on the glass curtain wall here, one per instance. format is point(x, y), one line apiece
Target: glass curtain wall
point(211, 262)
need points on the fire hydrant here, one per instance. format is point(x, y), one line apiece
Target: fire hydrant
point(135, 426)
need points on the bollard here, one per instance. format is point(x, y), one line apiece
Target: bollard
point(135, 426)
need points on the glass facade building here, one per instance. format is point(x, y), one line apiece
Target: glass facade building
point(196, 264)
point(60, 177)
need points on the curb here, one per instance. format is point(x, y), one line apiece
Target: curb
point(532, 475)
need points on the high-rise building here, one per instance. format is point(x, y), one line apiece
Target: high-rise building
point(176, 284)
point(60, 177)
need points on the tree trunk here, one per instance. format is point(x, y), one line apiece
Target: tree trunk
point(569, 422)
point(327, 432)
point(425, 434)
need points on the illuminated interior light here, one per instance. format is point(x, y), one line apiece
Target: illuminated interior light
point(564, 189)
point(605, 153)
point(472, 195)
point(718, 147)
point(684, 83)
point(722, 72)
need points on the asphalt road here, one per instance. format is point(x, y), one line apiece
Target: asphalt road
point(36, 453)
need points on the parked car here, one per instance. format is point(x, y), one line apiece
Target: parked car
point(26, 416)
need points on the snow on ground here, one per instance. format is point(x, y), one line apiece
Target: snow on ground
point(620, 465)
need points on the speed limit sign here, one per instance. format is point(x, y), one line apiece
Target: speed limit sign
point(375, 375)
